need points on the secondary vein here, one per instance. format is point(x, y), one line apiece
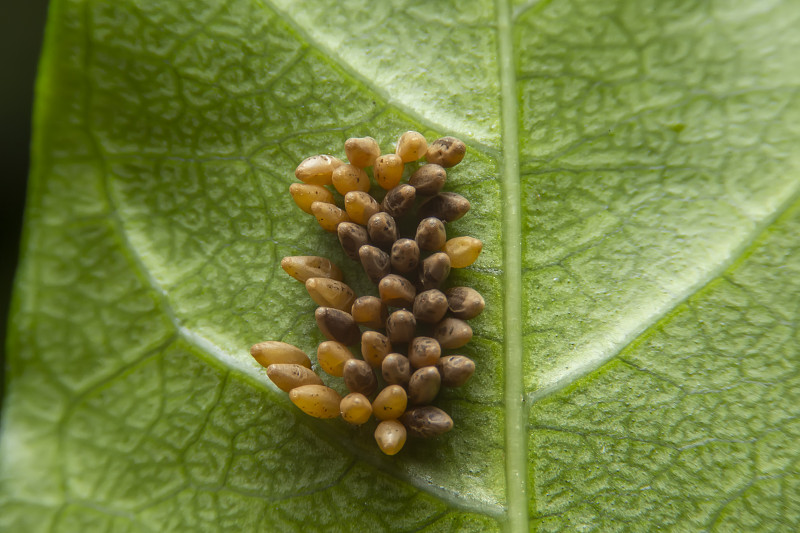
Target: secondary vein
point(337, 61)
point(516, 428)
point(631, 337)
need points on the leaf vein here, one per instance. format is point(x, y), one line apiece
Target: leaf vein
point(340, 63)
point(737, 255)
point(515, 421)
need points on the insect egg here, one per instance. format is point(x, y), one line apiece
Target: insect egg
point(317, 170)
point(369, 311)
point(390, 403)
point(290, 376)
point(349, 178)
point(352, 237)
point(302, 267)
point(328, 215)
point(355, 408)
point(463, 251)
point(316, 400)
point(390, 436)
point(330, 293)
point(304, 195)
point(424, 385)
point(411, 146)
point(359, 377)
point(447, 151)
point(359, 206)
point(428, 179)
point(374, 347)
point(396, 369)
point(388, 170)
point(276, 352)
point(362, 152)
point(332, 356)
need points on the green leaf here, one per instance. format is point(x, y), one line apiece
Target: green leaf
point(634, 174)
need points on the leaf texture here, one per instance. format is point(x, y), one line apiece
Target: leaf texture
point(633, 175)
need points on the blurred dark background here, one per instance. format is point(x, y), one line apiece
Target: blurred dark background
point(21, 31)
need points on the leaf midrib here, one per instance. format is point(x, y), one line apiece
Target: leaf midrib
point(515, 416)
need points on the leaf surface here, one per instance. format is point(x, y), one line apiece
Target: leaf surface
point(633, 172)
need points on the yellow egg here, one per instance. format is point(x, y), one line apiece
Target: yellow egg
point(316, 400)
point(332, 356)
point(390, 403)
point(276, 352)
point(463, 251)
point(390, 436)
point(355, 408)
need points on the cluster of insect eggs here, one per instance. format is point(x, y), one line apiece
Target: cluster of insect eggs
point(408, 284)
